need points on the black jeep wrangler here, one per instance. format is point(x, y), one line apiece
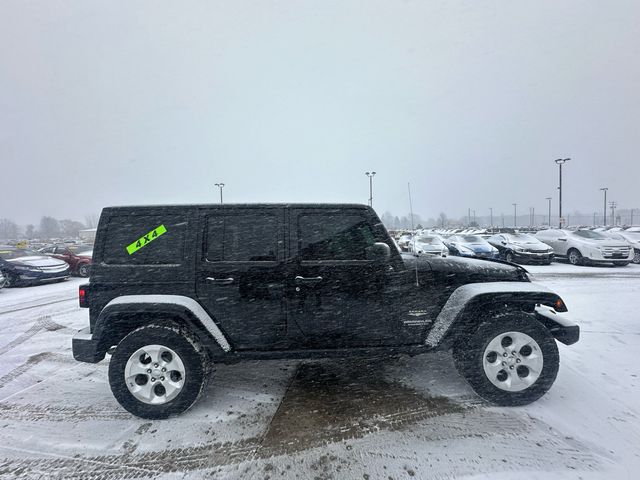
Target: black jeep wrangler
point(174, 289)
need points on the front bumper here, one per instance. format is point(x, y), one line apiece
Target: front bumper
point(85, 347)
point(530, 257)
point(562, 329)
point(49, 275)
point(486, 255)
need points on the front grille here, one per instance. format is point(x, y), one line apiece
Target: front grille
point(615, 252)
point(54, 268)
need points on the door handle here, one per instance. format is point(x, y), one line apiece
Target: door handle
point(220, 281)
point(312, 280)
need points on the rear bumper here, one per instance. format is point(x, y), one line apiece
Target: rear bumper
point(562, 329)
point(85, 348)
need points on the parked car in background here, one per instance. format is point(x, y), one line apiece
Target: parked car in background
point(430, 245)
point(77, 256)
point(521, 248)
point(632, 238)
point(581, 247)
point(470, 246)
point(404, 241)
point(23, 267)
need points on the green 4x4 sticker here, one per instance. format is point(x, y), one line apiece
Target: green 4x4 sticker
point(146, 239)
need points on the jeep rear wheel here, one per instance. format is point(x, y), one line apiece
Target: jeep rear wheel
point(157, 371)
point(509, 361)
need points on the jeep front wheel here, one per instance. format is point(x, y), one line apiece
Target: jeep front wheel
point(157, 371)
point(509, 361)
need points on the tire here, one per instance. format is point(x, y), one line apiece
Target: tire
point(636, 257)
point(83, 270)
point(139, 349)
point(574, 257)
point(10, 280)
point(509, 257)
point(510, 386)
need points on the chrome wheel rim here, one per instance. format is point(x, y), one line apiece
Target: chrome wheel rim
point(574, 258)
point(513, 361)
point(84, 270)
point(154, 374)
point(636, 258)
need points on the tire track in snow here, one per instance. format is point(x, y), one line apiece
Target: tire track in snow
point(31, 362)
point(513, 443)
point(38, 305)
point(43, 323)
point(59, 413)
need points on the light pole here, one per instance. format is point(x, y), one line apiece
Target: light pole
point(515, 212)
point(549, 200)
point(370, 175)
point(491, 216)
point(613, 206)
point(560, 162)
point(220, 186)
point(604, 221)
point(474, 218)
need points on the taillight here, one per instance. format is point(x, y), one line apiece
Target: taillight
point(82, 297)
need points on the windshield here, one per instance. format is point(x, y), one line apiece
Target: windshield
point(473, 239)
point(429, 240)
point(522, 237)
point(590, 234)
point(14, 253)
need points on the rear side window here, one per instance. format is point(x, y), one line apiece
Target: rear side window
point(333, 237)
point(242, 238)
point(145, 240)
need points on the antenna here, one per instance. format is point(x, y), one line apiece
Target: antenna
point(414, 232)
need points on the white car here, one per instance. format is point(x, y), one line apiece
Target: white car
point(586, 246)
point(404, 241)
point(430, 245)
point(632, 238)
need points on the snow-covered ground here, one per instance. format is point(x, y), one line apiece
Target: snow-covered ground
point(391, 418)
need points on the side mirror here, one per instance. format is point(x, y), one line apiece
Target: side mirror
point(379, 252)
point(503, 242)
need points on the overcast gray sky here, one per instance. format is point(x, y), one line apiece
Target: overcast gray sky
point(106, 103)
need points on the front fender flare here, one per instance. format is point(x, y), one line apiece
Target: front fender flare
point(487, 294)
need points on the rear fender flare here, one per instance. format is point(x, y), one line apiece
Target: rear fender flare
point(176, 306)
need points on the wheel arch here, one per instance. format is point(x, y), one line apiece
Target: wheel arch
point(472, 304)
point(127, 313)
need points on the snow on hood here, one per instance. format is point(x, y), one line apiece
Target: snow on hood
point(37, 261)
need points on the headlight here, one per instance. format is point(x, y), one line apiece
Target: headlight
point(466, 250)
point(494, 250)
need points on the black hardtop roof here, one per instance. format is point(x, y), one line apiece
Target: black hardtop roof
point(187, 206)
